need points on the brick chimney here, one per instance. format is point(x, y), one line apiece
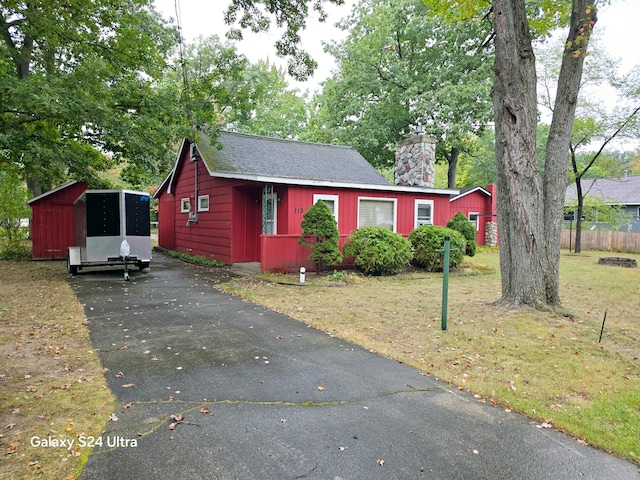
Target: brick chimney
point(415, 160)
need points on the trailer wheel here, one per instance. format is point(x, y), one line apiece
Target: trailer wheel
point(72, 269)
point(143, 265)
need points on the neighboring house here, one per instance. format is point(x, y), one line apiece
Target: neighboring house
point(52, 221)
point(245, 202)
point(624, 192)
point(478, 204)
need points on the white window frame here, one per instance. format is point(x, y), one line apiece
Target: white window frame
point(477, 221)
point(333, 198)
point(202, 198)
point(185, 205)
point(382, 199)
point(418, 203)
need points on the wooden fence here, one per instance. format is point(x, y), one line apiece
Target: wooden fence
point(602, 240)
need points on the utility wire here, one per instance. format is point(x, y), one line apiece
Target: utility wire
point(185, 77)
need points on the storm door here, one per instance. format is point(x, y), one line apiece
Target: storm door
point(269, 203)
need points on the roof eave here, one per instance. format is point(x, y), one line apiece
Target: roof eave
point(482, 190)
point(51, 192)
point(324, 183)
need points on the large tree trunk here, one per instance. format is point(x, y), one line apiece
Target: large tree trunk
point(452, 159)
point(583, 18)
point(579, 211)
point(519, 185)
point(529, 210)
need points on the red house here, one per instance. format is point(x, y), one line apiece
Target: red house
point(52, 221)
point(244, 202)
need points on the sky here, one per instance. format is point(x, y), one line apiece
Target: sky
point(617, 22)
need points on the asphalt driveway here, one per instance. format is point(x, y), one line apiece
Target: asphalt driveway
point(258, 395)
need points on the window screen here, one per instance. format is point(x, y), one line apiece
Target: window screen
point(376, 213)
point(203, 203)
point(331, 204)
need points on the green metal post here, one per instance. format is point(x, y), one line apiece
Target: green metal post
point(445, 282)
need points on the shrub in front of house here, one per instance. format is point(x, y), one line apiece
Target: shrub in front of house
point(378, 251)
point(428, 244)
point(461, 223)
point(320, 234)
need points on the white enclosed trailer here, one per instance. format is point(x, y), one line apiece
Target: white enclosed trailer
point(112, 227)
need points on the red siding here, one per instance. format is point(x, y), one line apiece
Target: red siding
point(475, 202)
point(299, 199)
point(166, 222)
point(52, 222)
point(211, 235)
point(281, 253)
point(247, 223)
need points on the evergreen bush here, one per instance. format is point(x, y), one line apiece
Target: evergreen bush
point(462, 224)
point(320, 234)
point(378, 251)
point(428, 243)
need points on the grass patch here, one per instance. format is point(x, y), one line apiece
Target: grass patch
point(549, 367)
point(194, 259)
point(51, 381)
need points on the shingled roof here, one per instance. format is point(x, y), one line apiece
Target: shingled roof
point(246, 155)
point(624, 191)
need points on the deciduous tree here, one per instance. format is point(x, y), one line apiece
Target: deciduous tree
point(76, 82)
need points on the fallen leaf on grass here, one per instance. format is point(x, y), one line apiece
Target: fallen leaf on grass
point(13, 448)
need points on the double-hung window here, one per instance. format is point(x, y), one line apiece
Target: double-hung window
point(474, 218)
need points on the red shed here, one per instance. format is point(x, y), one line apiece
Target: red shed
point(478, 204)
point(244, 202)
point(52, 227)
